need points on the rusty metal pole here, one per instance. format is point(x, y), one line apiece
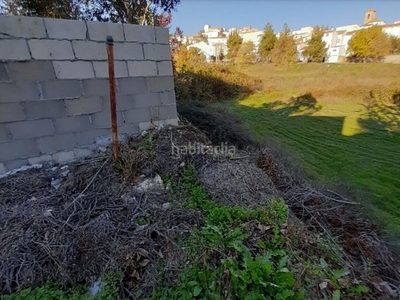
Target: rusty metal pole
point(113, 101)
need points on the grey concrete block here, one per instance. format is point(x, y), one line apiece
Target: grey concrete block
point(4, 134)
point(31, 70)
point(99, 30)
point(167, 112)
point(132, 85)
point(157, 52)
point(164, 68)
point(31, 129)
point(73, 69)
point(173, 122)
point(22, 27)
point(141, 34)
point(65, 29)
point(51, 49)
point(130, 129)
point(89, 137)
point(162, 35)
point(84, 106)
point(14, 50)
point(55, 143)
point(168, 98)
point(72, 124)
point(40, 159)
point(63, 157)
point(60, 89)
point(142, 68)
point(96, 87)
point(130, 51)
point(138, 115)
point(16, 164)
point(101, 69)
point(11, 112)
point(145, 126)
point(146, 100)
point(44, 109)
point(124, 102)
point(19, 91)
point(160, 83)
point(4, 77)
point(18, 150)
point(102, 120)
point(2, 169)
point(90, 50)
point(82, 153)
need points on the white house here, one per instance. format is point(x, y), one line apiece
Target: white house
point(254, 37)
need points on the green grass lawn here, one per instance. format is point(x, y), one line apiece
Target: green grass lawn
point(336, 141)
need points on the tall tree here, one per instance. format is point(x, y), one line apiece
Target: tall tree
point(145, 12)
point(233, 43)
point(316, 47)
point(267, 42)
point(284, 53)
point(370, 44)
point(246, 54)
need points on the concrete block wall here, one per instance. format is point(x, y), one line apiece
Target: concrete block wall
point(54, 89)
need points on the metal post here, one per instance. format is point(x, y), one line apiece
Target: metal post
point(111, 76)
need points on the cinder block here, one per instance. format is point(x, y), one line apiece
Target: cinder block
point(73, 69)
point(51, 49)
point(146, 99)
point(142, 68)
point(61, 89)
point(102, 120)
point(101, 69)
point(90, 50)
point(65, 29)
point(145, 126)
point(18, 150)
point(129, 51)
point(14, 50)
point(164, 68)
point(19, 91)
point(96, 87)
point(11, 112)
point(51, 144)
point(4, 135)
point(40, 159)
point(31, 129)
point(72, 124)
point(84, 106)
point(141, 34)
point(31, 70)
point(2, 169)
point(167, 112)
point(160, 83)
point(16, 164)
point(82, 153)
point(4, 77)
point(44, 109)
point(98, 31)
point(130, 129)
point(173, 122)
point(157, 52)
point(132, 85)
point(138, 115)
point(22, 27)
point(63, 157)
point(89, 137)
point(168, 98)
point(162, 35)
point(124, 102)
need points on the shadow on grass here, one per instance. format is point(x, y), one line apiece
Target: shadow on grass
point(368, 160)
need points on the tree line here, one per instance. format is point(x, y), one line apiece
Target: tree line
point(144, 12)
point(370, 44)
